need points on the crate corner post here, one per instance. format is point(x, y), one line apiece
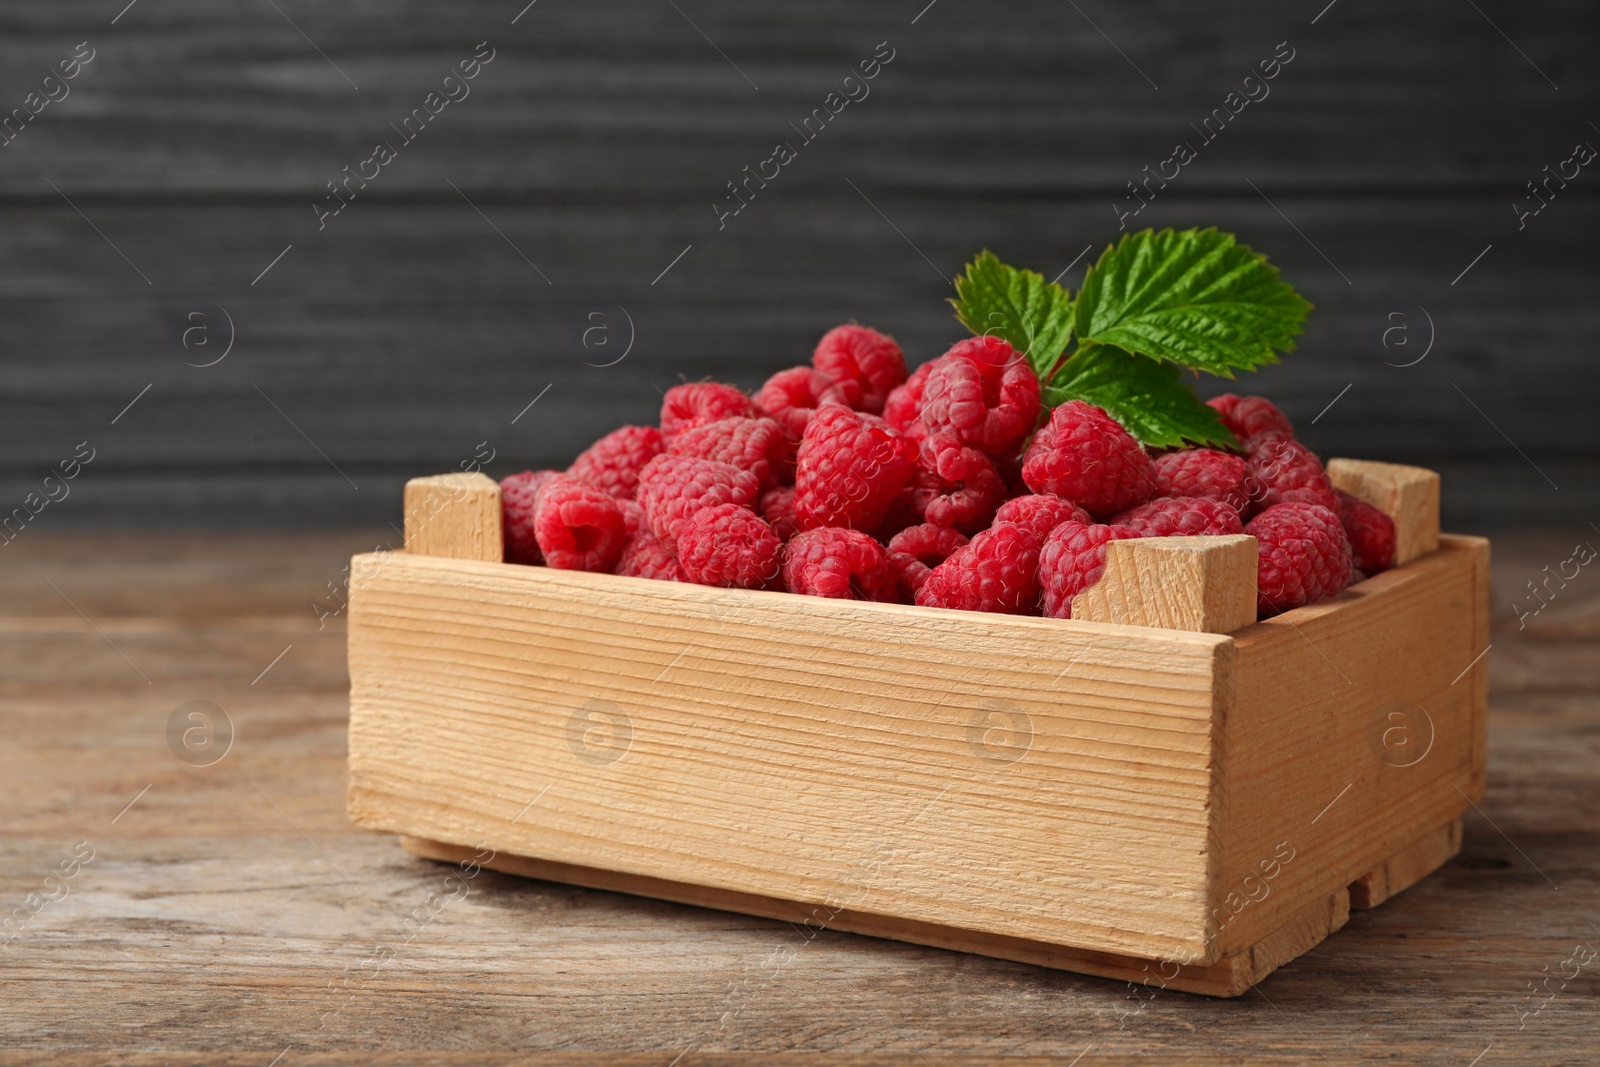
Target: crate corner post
point(1408, 495)
point(1199, 584)
point(455, 515)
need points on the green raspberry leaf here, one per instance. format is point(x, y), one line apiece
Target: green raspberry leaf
point(1147, 396)
point(1018, 306)
point(1197, 298)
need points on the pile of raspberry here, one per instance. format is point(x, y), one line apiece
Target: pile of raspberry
point(948, 487)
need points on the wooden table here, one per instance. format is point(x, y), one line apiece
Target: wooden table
point(230, 915)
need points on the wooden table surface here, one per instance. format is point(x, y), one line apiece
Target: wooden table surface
point(230, 915)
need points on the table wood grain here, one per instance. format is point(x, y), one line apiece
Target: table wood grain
point(231, 915)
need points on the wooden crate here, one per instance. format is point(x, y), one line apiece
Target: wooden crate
point(1160, 789)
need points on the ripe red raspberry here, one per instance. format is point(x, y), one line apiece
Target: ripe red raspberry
point(916, 550)
point(954, 486)
point(903, 410)
point(850, 469)
point(1287, 472)
point(860, 354)
point(1073, 559)
point(1204, 472)
point(838, 563)
point(613, 463)
point(727, 544)
point(1040, 513)
point(756, 445)
point(791, 396)
point(1251, 416)
point(672, 488)
point(1304, 556)
point(777, 507)
point(645, 556)
point(578, 527)
point(1083, 454)
point(1182, 516)
point(519, 498)
point(632, 517)
point(984, 392)
point(1371, 534)
point(683, 407)
point(996, 571)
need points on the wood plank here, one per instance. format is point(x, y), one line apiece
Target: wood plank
point(1407, 867)
point(586, 103)
point(1360, 689)
point(597, 142)
point(1408, 495)
point(1475, 675)
point(209, 931)
point(1300, 934)
point(455, 515)
point(753, 741)
point(1203, 584)
point(1228, 976)
point(830, 256)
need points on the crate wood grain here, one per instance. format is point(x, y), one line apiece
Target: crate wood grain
point(1409, 495)
point(1137, 798)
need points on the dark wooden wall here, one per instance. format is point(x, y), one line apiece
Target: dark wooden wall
point(408, 330)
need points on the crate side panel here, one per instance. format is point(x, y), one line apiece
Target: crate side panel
point(1477, 676)
point(1029, 777)
point(1354, 730)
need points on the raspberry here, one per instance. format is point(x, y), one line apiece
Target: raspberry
point(1304, 556)
point(683, 407)
point(996, 571)
point(645, 556)
point(1204, 472)
point(954, 486)
point(1371, 534)
point(850, 469)
point(672, 488)
point(1041, 514)
point(578, 527)
point(613, 463)
point(790, 396)
point(519, 499)
point(984, 393)
point(1181, 516)
point(1251, 416)
point(916, 550)
point(859, 354)
point(842, 564)
point(1073, 559)
point(1083, 454)
point(1287, 472)
point(755, 445)
point(903, 410)
point(632, 517)
point(727, 544)
point(777, 507)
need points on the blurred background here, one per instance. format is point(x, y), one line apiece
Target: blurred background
point(187, 299)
